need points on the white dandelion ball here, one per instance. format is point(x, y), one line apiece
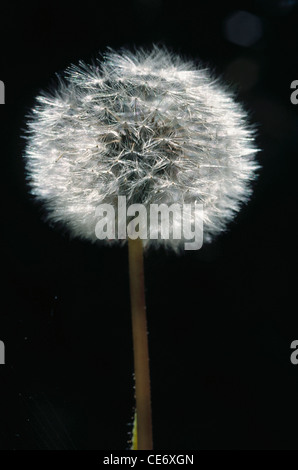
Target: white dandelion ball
point(145, 125)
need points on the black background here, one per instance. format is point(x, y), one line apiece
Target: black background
point(221, 320)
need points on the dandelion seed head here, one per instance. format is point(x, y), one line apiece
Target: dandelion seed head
point(145, 125)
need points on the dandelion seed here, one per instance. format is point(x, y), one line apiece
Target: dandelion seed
point(137, 125)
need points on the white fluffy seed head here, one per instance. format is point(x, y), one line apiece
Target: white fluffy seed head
point(145, 125)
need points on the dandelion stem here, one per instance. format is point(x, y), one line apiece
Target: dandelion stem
point(140, 345)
